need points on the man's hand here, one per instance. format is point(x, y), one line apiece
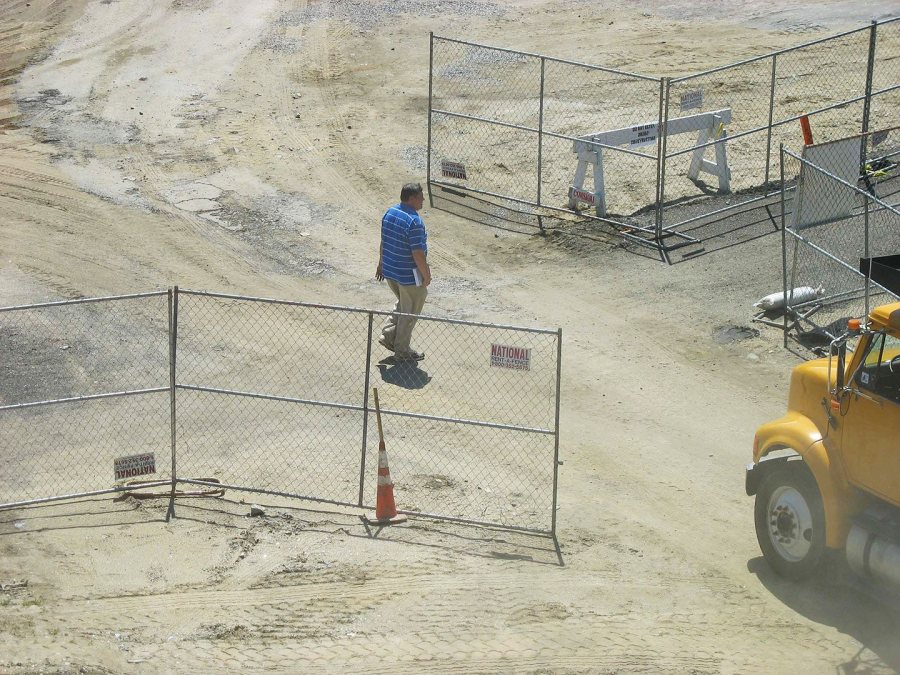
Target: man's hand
point(379, 272)
point(422, 265)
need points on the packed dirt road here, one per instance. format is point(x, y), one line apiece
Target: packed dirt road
point(251, 147)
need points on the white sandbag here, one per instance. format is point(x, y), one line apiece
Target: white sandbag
point(800, 295)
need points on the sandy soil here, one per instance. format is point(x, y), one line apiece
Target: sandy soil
point(251, 148)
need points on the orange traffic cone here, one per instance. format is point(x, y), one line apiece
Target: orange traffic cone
point(385, 508)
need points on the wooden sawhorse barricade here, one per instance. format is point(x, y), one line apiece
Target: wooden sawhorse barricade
point(589, 149)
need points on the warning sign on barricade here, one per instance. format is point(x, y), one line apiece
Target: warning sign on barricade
point(582, 196)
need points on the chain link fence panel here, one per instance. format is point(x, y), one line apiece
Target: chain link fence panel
point(764, 97)
point(886, 66)
point(471, 430)
point(83, 383)
point(270, 394)
point(833, 228)
point(467, 472)
point(498, 160)
point(758, 103)
point(486, 82)
point(471, 371)
point(273, 397)
point(270, 445)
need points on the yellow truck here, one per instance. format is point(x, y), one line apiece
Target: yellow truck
point(827, 474)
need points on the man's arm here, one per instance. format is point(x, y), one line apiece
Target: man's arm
point(424, 270)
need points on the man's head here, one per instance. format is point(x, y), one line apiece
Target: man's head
point(412, 195)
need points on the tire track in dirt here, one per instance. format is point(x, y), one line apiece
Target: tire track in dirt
point(322, 41)
point(446, 652)
point(329, 62)
point(37, 187)
point(276, 627)
point(360, 585)
point(283, 635)
point(28, 193)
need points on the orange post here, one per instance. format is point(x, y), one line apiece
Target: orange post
point(807, 131)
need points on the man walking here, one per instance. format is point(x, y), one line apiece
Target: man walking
point(402, 261)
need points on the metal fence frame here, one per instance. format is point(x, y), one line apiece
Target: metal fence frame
point(797, 314)
point(655, 235)
point(87, 397)
point(175, 386)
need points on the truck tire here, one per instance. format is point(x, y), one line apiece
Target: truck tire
point(790, 521)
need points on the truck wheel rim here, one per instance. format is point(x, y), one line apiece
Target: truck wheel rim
point(790, 524)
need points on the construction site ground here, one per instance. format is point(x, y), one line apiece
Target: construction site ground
point(251, 147)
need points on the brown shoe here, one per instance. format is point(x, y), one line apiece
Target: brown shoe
point(384, 343)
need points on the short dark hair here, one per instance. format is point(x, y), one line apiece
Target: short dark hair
point(409, 191)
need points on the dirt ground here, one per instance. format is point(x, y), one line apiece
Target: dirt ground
point(251, 148)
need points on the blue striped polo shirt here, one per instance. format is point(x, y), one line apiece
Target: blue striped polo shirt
point(402, 230)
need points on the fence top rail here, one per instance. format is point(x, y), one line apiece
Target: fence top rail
point(82, 301)
point(863, 193)
point(544, 57)
point(778, 52)
point(360, 310)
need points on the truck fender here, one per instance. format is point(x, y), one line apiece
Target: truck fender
point(798, 435)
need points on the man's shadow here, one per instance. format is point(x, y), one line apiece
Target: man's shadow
point(406, 374)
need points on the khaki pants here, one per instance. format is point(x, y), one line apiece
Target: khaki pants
point(397, 330)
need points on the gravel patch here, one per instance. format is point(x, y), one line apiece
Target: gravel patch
point(415, 157)
point(366, 14)
point(55, 121)
point(281, 44)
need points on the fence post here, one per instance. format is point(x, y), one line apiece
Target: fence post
point(428, 147)
point(362, 460)
point(664, 86)
point(173, 353)
point(556, 430)
point(659, 154)
point(783, 244)
point(870, 77)
point(771, 113)
point(866, 253)
point(540, 166)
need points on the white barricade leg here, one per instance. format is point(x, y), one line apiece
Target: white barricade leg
point(578, 183)
point(577, 193)
point(697, 155)
point(599, 189)
point(718, 168)
point(723, 172)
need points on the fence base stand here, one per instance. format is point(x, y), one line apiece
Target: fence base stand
point(372, 519)
point(170, 512)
